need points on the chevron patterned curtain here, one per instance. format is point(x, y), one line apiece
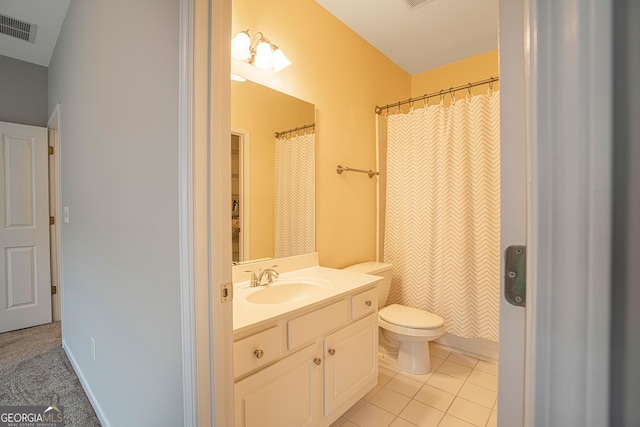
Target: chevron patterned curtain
point(295, 196)
point(442, 226)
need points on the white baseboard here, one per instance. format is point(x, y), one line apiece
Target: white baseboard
point(478, 348)
point(87, 389)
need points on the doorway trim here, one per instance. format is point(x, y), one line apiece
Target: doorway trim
point(569, 92)
point(55, 196)
point(245, 196)
point(204, 204)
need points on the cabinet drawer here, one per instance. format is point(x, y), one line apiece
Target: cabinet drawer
point(256, 350)
point(306, 328)
point(364, 303)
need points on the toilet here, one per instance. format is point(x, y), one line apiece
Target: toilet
point(406, 329)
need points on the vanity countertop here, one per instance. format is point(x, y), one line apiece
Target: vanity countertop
point(340, 282)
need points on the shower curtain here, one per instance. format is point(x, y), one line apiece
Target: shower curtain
point(442, 222)
point(295, 197)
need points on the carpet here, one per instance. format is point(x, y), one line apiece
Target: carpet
point(34, 370)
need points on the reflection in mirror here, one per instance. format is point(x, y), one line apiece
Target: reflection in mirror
point(273, 177)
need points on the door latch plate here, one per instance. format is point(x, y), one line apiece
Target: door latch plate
point(515, 275)
point(226, 292)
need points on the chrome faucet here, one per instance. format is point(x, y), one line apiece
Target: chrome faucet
point(256, 280)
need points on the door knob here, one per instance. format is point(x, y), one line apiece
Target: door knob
point(259, 353)
point(368, 303)
point(317, 361)
point(332, 351)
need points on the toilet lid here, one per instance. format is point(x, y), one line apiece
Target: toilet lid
point(410, 317)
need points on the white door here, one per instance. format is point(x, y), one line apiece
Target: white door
point(513, 167)
point(25, 294)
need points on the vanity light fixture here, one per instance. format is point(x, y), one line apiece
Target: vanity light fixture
point(259, 51)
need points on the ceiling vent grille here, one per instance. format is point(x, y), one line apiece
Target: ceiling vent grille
point(412, 4)
point(16, 28)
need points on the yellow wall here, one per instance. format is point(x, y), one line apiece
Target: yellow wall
point(345, 78)
point(263, 111)
point(479, 67)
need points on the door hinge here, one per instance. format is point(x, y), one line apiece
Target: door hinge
point(52, 220)
point(54, 289)
point(51, 149)
point(226, 292)
point(515, 275)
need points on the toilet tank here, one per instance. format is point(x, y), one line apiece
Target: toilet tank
point(377, 269)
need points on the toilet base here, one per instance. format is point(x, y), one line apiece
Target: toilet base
point(414, 357)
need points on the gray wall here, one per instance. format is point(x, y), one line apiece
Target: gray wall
point(23, 92)
point(625, 370)
point(115, 73)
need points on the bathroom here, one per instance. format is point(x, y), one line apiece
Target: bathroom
point(346, 131)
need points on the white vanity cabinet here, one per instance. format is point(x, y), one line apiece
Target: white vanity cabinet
point(308, 367)
point(287, 393)
point(350, 363)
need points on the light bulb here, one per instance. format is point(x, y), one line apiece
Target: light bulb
point(264, 55)
point(280, 61)
point(240, 46)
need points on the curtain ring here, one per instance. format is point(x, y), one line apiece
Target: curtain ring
point(452, 94)
point(410, 106)
point(426, 101)
point(442, 98)
point(469, 94)
point(386, 113)
point(490, 91)
point(398, 111)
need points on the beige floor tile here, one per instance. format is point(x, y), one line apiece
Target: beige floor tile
point(483, 380)
point(349, 424)
point(469, 412)
point(489, 368)
point(421, 415)
point(450, 421)
point(339, 422)
point(437, 351)
point(372, 416)
point(435, 363)
point(399, 422)
point(480, 395)
point(445, 382)
point(461, 359)
point(384, 376)
point(372, 392)
point(493, 419)
point(418, 377)
point(405, 385)
point(390, 400)
point(435, 397)
point(349, 413)
point(455, 370)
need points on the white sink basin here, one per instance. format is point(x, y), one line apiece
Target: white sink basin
point(283, 291)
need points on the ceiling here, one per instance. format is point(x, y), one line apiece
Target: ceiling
point(47, 15)
point(435, 33)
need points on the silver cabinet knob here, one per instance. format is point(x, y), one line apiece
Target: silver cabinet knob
point(368, 303)
point(258, 353)
point(332, 351)
point(317, 361)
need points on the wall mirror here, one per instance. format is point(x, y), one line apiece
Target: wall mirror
point(273, 176)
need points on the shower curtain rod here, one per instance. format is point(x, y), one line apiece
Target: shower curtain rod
point(284, 132)
point(441, 93)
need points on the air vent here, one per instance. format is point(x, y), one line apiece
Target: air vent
point(16, 28)
point(412, 4)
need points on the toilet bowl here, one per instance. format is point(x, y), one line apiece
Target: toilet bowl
point(407, 329)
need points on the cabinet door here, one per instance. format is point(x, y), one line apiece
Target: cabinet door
point(285, 394)
point(350, 362)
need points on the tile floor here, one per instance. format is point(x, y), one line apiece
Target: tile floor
point(460, 391)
